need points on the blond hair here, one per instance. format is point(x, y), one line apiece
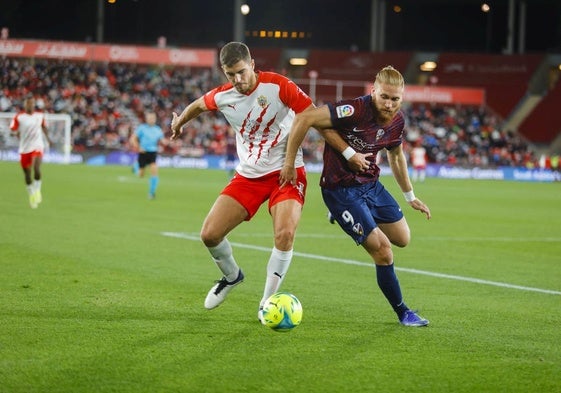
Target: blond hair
point(389, 76)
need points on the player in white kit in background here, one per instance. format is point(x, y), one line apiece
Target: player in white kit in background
point(419, 162)
point(30, 126)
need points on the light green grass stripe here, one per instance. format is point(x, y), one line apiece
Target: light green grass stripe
point(358, 263)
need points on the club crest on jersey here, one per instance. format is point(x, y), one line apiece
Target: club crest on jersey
point(380, 133)
point(262, 101)
point(357, 228)
point(344, 111)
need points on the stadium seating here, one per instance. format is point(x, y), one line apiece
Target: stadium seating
point(544, 123)
point(106, 101)
point(504, 78)
point(358, 67)
point(267, 59)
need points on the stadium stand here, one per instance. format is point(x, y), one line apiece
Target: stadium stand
point(267, 59)
point(358, 67)
point(106, 99)
point(466, 136)
point(543, 124)
point(504, 78)
point(354, 66)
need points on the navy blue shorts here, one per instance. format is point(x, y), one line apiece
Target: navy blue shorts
point(358, 210)
point(146, 158)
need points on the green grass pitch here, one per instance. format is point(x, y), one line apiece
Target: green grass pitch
point(102, 290)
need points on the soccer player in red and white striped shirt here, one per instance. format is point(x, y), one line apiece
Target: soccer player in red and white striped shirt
point(260, 107)
point(30, 126)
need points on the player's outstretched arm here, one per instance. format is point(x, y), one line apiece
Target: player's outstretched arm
point(192, 110)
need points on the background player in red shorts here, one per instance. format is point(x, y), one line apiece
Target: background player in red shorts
point(419, 161)
point(260, 107)
point(30, 127)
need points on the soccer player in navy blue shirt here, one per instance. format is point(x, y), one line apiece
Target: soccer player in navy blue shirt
point(355, 131)
point(146, 139)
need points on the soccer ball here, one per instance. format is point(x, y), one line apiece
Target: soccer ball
point(282, 312)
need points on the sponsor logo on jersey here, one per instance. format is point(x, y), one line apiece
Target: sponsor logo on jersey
point(357, 130)
point(344, 111)
point(357, 143)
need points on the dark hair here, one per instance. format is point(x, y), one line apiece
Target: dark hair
point(233, 52)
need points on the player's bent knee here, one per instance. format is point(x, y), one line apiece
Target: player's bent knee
point(400, 238)
point(401, 242)
point(383, 257)
point(381, 253)
point(284, 239)
point(209, 239)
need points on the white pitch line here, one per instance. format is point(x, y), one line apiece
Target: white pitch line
point(129, 179)
point(494, 239)
point(358, 263)
point(503, 239)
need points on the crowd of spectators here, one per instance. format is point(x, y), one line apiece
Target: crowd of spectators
point(466, 136)
point(106, 102)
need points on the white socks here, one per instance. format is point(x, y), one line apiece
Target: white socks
point(34, 187)
point(222, 255)
point(276, 270)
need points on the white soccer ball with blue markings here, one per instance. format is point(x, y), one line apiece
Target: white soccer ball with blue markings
point(282, 312)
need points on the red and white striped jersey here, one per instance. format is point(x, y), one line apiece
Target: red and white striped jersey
point(419, 157)
point(30, 127)
point(261, 119)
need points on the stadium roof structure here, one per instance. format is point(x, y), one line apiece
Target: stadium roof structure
point(379, 25)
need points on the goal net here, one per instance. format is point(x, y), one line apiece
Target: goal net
point(59, 126)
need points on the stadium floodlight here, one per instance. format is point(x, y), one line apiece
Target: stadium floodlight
point(428, 66)
point(298, 61)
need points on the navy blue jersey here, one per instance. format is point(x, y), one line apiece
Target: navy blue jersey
point(355, 121)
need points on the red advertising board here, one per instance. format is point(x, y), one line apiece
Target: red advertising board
point(444, 95)
point(440, 94)
point(111, 53)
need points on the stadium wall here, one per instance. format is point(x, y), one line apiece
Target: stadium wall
point(219, 162)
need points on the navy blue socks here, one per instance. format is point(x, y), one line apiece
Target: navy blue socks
point(389, 284)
